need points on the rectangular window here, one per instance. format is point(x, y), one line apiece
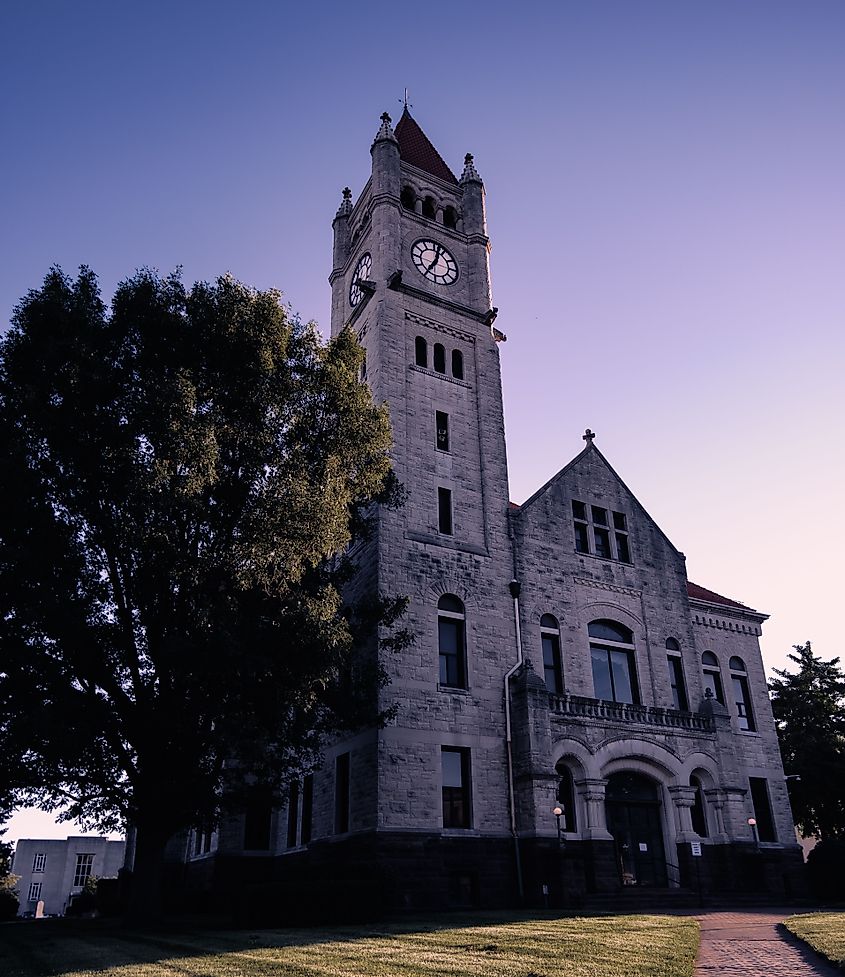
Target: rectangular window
point(257, 821)
point(39, 861)
point(762, 809)
point(293, 815)
point(341, 794)
point(444, 510)
point(676, 680)
point(602, 538)
point(582, 540)
point(614, 675)
point(456, 787)
point(599, 516)
point(551, 663)
point(742, 697)
point(307, 808)
point(622, 551)
point(84, 864)
point(441, 424)
point(34, 891)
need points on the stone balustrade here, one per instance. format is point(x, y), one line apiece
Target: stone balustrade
point(582, 707)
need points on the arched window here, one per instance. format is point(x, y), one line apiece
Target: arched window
point(699, 817)
point(566, 798)
point(439, 358)
point(613, 661)
point(712, 676)
point(550, 640)
point(676, 675)
point(408, 198)
point(457, 364)
point(742, 695)
point(429, 208)
point(421, 351)
point(450, 217)
point(451, 636)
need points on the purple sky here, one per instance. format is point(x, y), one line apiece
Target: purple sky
point(665, 197)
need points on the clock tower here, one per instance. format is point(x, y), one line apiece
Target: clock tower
point(411, 276)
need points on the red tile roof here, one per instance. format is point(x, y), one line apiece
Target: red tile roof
point(702, 593)
point(416, 149)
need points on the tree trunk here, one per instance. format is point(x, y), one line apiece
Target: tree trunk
point(145, 903)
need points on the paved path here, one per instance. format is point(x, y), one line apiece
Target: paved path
point(750, 944)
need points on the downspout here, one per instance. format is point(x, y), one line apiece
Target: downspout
point(513, 586)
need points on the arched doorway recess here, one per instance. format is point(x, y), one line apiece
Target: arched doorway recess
point(632, 802)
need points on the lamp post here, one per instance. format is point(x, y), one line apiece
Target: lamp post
point(557, 810)
point(752, 823)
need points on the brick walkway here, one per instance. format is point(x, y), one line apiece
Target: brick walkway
point(750, 944)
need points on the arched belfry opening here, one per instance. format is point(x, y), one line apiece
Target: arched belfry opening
point(634, 818)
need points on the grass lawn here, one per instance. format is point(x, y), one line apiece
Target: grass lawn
point(483, 945)
point(825, 932)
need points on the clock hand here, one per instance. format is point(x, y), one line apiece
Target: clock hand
point(437, 253)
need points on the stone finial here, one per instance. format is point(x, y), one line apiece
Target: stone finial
point(385, 131)
point(470, 173)
point(345, 208)
point(588, 436)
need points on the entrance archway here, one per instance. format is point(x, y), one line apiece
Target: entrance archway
point(632, 803)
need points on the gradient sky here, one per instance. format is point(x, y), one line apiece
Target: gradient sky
point(665, 197)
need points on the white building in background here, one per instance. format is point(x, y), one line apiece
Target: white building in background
point(55, 870)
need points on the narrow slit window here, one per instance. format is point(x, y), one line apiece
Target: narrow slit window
point(444, 511)
point(451, 639)
point(341, 794)
point(421, 352)
point(307, 808)
point(441, 423)
point(439, 358)
point(293, 815)
point(457, 364)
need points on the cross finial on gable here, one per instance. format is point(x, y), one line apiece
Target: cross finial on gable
point(588, 436)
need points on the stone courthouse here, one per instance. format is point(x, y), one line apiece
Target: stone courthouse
point(575, 716)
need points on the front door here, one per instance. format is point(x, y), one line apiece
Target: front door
point(633, 818)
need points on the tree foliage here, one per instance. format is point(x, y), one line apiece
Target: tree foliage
point(809, 710)
point(182, 474)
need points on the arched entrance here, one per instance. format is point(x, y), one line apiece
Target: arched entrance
point(633, 818)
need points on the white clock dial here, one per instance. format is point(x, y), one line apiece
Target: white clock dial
point(362, 273)
point(434, 262)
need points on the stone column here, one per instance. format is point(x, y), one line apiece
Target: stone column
point(716, 803)
point(593, 794)
point(684, 800)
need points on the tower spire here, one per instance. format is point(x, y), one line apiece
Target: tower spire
point(385, 132)
point(470, 173)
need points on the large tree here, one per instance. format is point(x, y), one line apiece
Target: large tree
point(182, 472)
point(809, 709)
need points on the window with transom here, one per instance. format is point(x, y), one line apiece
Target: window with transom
point(552, 665)
point(613, 661)
point(600, 532)
point(451, 639)
point(742, 695)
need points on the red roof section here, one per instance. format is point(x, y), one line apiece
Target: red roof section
point(513, 505)
point(702, 593)
point(416, 148)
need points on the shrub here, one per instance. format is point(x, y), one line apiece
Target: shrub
point(9, 902)
point(826, 869)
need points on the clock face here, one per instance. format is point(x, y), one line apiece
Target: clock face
point(362, 273)
point(434, 262)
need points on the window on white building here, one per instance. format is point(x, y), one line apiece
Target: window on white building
point(34, 891)
point(84, 865)
point(39, 861)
